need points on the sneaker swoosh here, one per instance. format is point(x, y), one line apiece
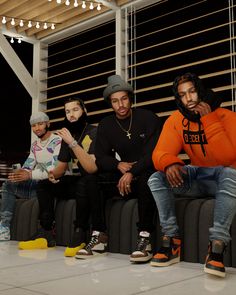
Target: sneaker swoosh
point(175, 251)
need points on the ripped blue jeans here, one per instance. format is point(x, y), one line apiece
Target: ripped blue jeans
point(218, 181)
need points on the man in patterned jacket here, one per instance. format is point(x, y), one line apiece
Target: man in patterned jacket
point(22, 182)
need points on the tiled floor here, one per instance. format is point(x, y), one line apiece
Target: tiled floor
point(48, 272)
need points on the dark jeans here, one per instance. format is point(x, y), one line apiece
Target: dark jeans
point(91, 193)
point(84, 189)
point(140, 191)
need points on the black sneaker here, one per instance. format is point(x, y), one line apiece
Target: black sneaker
point(214, 261)
point(169, 253)
point(77, 242)
point(143, 251)
point(96, 246)
point(43, 239)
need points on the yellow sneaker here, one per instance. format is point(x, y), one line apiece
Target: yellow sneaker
point(70, 252)
point(43, 239)
point(77, 243)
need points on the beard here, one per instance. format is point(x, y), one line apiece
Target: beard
point(76, 127)
point(45, 131)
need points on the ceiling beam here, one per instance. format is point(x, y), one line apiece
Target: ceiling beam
point(111, 4)
point(17, 66)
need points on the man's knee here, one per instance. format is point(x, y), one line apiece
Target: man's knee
point(8, 186)
point(157, 180)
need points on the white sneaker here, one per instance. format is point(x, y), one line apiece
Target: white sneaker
point(143, 251)
point(4, 232)
point(96, 246)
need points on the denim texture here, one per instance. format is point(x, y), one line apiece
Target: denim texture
point(11, 191)
point(218, 182)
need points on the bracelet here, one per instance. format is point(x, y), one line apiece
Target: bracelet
point(73, 144)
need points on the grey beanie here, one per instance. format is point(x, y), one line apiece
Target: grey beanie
point(38, 117)
point(115, 84)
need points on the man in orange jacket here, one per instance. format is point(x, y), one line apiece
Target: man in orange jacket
point(206, 133)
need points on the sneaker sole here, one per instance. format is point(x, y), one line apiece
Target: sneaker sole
point(95, 254)
point(5, 239)
point(214, 272)
point(140, 259)
point(166, 263)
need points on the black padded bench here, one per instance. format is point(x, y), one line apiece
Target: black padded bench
point(194, 217)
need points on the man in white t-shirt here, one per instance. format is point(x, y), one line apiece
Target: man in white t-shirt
point(22, 182)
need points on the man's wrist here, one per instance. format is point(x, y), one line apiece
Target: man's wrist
point(73, 144)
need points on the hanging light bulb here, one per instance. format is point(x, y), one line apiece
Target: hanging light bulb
point(59, 1)
point(4, 20)
point(37, 25)
point(13, 22)
point(45, 26)
point(21, 23)
point(99, 6)
point(67, 2)
point(53, 27)
point(83, 5)
point(76, 4)
point(91, 6)
point(19, 40)
point(30, 24)
point(12, 40)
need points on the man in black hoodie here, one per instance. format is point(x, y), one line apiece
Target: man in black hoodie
point(78, 139)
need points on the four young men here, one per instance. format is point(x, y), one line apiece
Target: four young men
point(123, 162)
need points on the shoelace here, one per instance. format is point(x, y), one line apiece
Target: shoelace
point(142, 243)
point(92, 243)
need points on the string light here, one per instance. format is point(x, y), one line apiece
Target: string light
point(76, 3)
point(4, 20)
point(13, 22)
point(19, 40)
point(26, 22)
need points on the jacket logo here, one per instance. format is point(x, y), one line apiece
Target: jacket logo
point(194, 137)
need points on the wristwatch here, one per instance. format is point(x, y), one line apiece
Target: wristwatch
point(73, 144)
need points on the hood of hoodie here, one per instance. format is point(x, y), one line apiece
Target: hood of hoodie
point(204, 94)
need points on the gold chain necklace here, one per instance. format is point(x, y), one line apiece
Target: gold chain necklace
point(128, 134)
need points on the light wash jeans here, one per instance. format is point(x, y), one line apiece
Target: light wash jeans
point(11, 190)
point(219, 182)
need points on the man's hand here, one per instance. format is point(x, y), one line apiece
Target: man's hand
point(124, 167)
point(65, 135)
point(19, 175)
point(174, 175)
point(124, 184)
point(202, 109)
point(52, 178)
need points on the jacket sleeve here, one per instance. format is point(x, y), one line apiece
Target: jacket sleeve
point(220, 134)
point(105, 156)
point(153, 129)
point(168, 147)
point(39, 170)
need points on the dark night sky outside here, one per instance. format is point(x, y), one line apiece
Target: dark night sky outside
point(15, 107)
